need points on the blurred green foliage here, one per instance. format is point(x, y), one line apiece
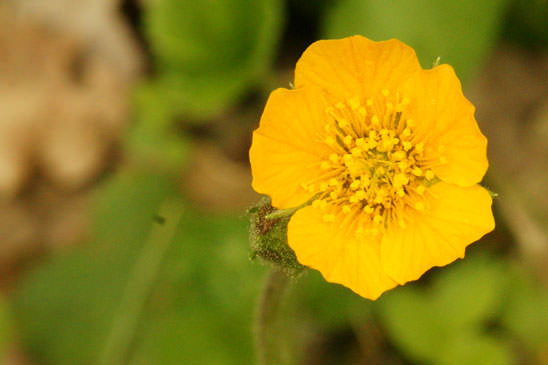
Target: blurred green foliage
point(461, 33)
point(525, 312)
point(5, 326)
point(449, 317)
point(154, 138)
point(203, 298)
point(527, 23)
point(208, 53)
point(200, 310)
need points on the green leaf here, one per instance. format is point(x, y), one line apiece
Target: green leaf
point(469, 348)
point(202, 306)
point(460, 32)
point(209, 52)
point(469, 292)
point(423, 323)
point(74, 295)
point(154, 138)
point(199, 309)
point(526, 310)
point(411, 323)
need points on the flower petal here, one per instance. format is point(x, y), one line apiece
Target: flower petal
point(355, 66)
point(286, 150)
point(454, 217)
point(444, 115)
point(337, 253)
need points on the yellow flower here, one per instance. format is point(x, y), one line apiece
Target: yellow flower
point(391, 153)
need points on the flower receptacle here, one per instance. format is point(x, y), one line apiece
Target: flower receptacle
point(268, 237)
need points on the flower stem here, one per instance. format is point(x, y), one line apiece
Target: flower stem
point(281, 213)
point(267, 323)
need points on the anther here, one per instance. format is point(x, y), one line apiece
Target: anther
point(360, 195)
point(377, 219)
point(417, 171)
point(348, 140)
point(355, 185)
point(342, 122)
point(347, 158)
point(400, 180)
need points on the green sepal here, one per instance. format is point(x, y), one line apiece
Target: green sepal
point(268, 237)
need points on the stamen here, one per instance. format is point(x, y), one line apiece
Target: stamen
point(377, 169)
point(354, 103)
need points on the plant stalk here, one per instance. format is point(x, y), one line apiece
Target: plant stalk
point(267, 322)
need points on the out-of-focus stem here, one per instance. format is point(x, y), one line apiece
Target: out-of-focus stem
point(267, 321)
point(138, 288)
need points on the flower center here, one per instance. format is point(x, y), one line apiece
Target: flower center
point(377, 170)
